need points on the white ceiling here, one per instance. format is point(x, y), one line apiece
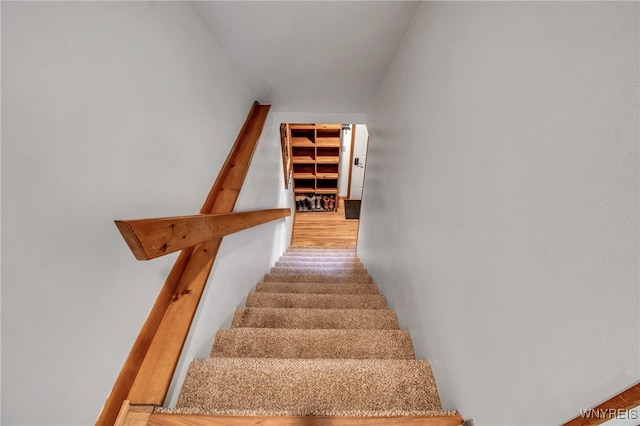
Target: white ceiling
point(309, 56)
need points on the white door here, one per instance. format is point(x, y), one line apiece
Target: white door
point(358, 161)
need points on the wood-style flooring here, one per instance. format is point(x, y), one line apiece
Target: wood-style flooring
point(325, 229)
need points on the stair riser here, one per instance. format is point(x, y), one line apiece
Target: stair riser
point(315, 301)
point(319, 270)
point(307, 264)
point(321, 249)
point(382, 319)
point(314, 343)
point(338, 256)
point(329, 260)
point(319, 253)
point(317, 288)
point(304, 261)
point(317, 278)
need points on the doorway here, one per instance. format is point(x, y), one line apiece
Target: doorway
point(322, 165)
point(357, 161)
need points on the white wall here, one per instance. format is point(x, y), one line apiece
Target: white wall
point(503, 172)
point(109, 111)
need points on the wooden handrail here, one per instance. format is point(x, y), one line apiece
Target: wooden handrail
point(608, 410)
point(151, 238)
point(146, 374)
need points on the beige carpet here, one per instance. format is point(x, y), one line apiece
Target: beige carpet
point(315, 338)
point(323, 270)
point(301, 300)
point(317, 288)
point(327, 264)
point(315, 318)
point(310, 387)
point(318, 277)
point(312, 343)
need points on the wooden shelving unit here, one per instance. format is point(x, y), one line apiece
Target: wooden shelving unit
point(315, 165)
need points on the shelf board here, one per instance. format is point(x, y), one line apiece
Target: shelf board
point(302, 141)
point(303, 160)
point(304, 126)
point(327, 175)
point(328, 142)
point(304, 176)
point(298, 190)
point(326, 191)
point(329, 126)
point(327, 160)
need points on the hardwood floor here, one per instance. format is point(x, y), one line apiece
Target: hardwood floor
point(324, 229)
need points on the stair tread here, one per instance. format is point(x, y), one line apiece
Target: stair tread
point(320, 256)
point(319, 278)
point(321, 249)
point(320, 253)
point(323, 257)
point(319, 270)
point(312, 343)
point(318, 301)
point(311, 387)
point(315, 318)
point(345, 260)
point(312, 263)
point(317, 288)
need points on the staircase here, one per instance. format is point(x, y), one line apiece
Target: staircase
point(315, 338)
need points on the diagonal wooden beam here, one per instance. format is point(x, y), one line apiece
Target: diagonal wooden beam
point(151, 238)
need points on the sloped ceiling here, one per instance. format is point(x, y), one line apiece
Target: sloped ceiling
point(306, 56)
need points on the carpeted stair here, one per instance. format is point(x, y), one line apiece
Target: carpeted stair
point(315, 338)
point(327, 301)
